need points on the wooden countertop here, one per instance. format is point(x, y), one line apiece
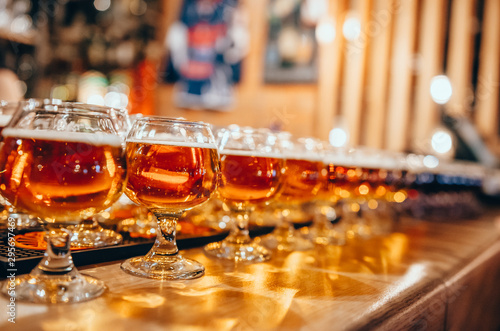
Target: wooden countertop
point(416, 278)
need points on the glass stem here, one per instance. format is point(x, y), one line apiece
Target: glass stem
point(165, 243)
point(239, 233)
point(87, 224)
point(284, 229)
point(324, 215)
point(57, 258)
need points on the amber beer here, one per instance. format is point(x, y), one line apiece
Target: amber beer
point(302, 180)
point(61, 176)
point(248, 179)
point(339, 181)
point(170, 176)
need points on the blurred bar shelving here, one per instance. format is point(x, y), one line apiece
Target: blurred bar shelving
point(21, 38)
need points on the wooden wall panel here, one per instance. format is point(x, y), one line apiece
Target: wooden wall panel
point(431, 52)
point(460, 51)
point(354, 73)
point(330, 61)
point(401, 76)
point(380, 30)
point(487, 98)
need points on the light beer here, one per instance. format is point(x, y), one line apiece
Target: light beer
point(170, 177)
point(248, 178)
point(61, 176)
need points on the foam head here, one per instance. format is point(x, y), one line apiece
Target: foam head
point(97, 139)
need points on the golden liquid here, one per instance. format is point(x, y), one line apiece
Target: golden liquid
point(339, 182)
point(249, 180)
point(60, 181)
point(301, 181)
point(170, 178)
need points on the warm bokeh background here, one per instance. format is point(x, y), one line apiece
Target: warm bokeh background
point(373, 78)
point(379, 83)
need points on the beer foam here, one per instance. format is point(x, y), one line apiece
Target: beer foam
point(338, 159)
point(172, 143)
point(236, 152)
point(4, 119)
point(303, 156)
point(358, 161)
point(376, 162)
point(97, 139)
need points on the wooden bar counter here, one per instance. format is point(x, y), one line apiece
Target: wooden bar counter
point(424, 276)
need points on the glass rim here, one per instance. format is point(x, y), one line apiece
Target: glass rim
point(87, 106)
point(77, 108)
point(157, 119)
point(246, 131)
point(56, 107)
point(68, 105)
point(71, 105)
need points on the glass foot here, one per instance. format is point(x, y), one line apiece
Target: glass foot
point(164, 267)
point(359, 230)
point(238, 252)
point(25, 221)
point(68, 288)
point(286, 238)
point(92, 238)
point(326, 234)
point(288, 243)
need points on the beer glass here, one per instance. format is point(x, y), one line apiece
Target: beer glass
point(353, 178)
point(89, 233)
point(173, 166)
point(301, 183)
point(251, 171)
point(335, 188)
point(62, 163)
point(368, 173)
point(22, 221)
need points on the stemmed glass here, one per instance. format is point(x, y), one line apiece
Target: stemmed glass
point(301, 182)
point(334, 190)
point(173, 166)
point(89, 233)
point(251, 172)
point(23, 221)
point(61, 163)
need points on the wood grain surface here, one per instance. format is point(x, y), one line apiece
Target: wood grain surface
point(423, 276)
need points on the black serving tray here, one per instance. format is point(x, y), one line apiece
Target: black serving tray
point(27, 259)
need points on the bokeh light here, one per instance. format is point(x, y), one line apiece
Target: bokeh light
point(338, 137)
point(430, 161)
point(325, 31)
point(441, 142)
point(352, 27)
point(102, 5)
point(441, 89)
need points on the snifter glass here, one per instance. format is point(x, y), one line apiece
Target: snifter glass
point(89, 233)
point(62, 163)
point(251, 172)
point(173, 166)
point(22, 221)
point(301, 182)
